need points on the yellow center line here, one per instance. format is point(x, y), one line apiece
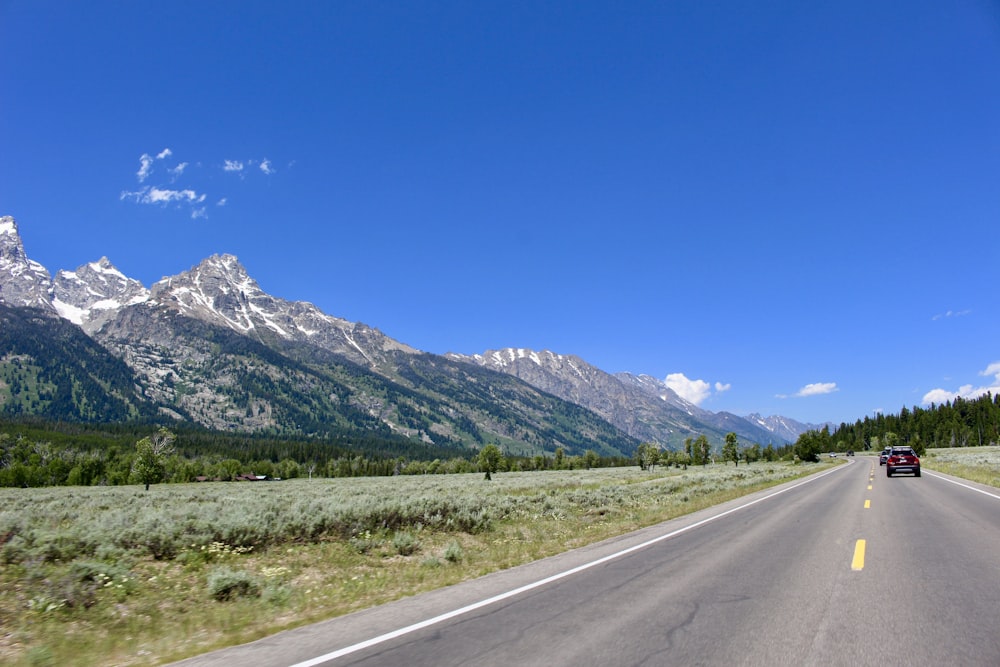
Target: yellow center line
point(858, 562)
point(868, 504)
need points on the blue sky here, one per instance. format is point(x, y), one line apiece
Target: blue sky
point(783, 207)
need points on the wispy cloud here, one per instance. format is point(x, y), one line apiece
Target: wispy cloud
point(154, 195)
point(145, 166)
point(146, 163)
point(949, 314)
point(695, 391)
point(967, 391)
point(165, 190)
point(240, 166)
point(812, 389)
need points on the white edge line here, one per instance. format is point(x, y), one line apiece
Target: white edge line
point(541, 582)
point(971, 488)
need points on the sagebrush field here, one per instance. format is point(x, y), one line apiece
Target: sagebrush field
point(119, 575)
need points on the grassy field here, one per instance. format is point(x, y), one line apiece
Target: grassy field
point(119, 575)
point(979, 464)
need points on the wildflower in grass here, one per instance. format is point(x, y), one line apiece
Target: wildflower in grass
point(274, 572)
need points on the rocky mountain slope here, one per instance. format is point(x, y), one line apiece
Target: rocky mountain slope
point(209, 346)
point(23, 282)
point(641, 406)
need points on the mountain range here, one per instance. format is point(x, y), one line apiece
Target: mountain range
point(208, 346)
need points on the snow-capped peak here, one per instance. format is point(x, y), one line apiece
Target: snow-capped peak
point(23, 282)
point(94, 292)
point(7, 226)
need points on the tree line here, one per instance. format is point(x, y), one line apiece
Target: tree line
point(973, 422)
point(698, 451)
point(37, 453)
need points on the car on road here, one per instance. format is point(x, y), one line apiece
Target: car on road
point(884, 456)
point(902, 460)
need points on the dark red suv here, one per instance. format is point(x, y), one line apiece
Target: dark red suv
point(902, 459)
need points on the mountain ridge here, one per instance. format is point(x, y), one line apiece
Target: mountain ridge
point(171, 335)
point(639, 405)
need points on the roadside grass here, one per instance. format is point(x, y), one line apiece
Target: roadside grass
point(977, 464)
point(97, 576)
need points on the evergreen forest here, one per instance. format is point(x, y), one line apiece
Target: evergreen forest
point(972, 422)
point(37, 452)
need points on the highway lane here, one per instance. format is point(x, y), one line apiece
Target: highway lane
point(775, 582)
point(934, 569)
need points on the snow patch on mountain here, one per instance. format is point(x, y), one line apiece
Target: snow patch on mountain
point(783, 427)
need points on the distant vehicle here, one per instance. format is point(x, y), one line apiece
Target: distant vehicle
point(884, 456)
point(833, 455)
point(902, 459)
point(850, 452)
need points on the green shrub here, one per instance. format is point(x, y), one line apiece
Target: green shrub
point(15, 550)
point(277, 595)
point(405, 543)
point(87, 578)
point(453, 553)
point(227, 584)
point(89, 570)
point(112, 553)
point(364, 542)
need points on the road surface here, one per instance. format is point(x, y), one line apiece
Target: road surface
point(847, 567)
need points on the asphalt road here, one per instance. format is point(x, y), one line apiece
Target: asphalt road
point(845, 568)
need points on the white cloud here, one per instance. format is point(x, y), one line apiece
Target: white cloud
point(817, 389)
point(942, 395)
point(145, 165)
point(950, 313)
point(967, 391)
point(695, 391)
point(155, 195)
point(720, 387)
point(813, 389)
point(163, 187)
